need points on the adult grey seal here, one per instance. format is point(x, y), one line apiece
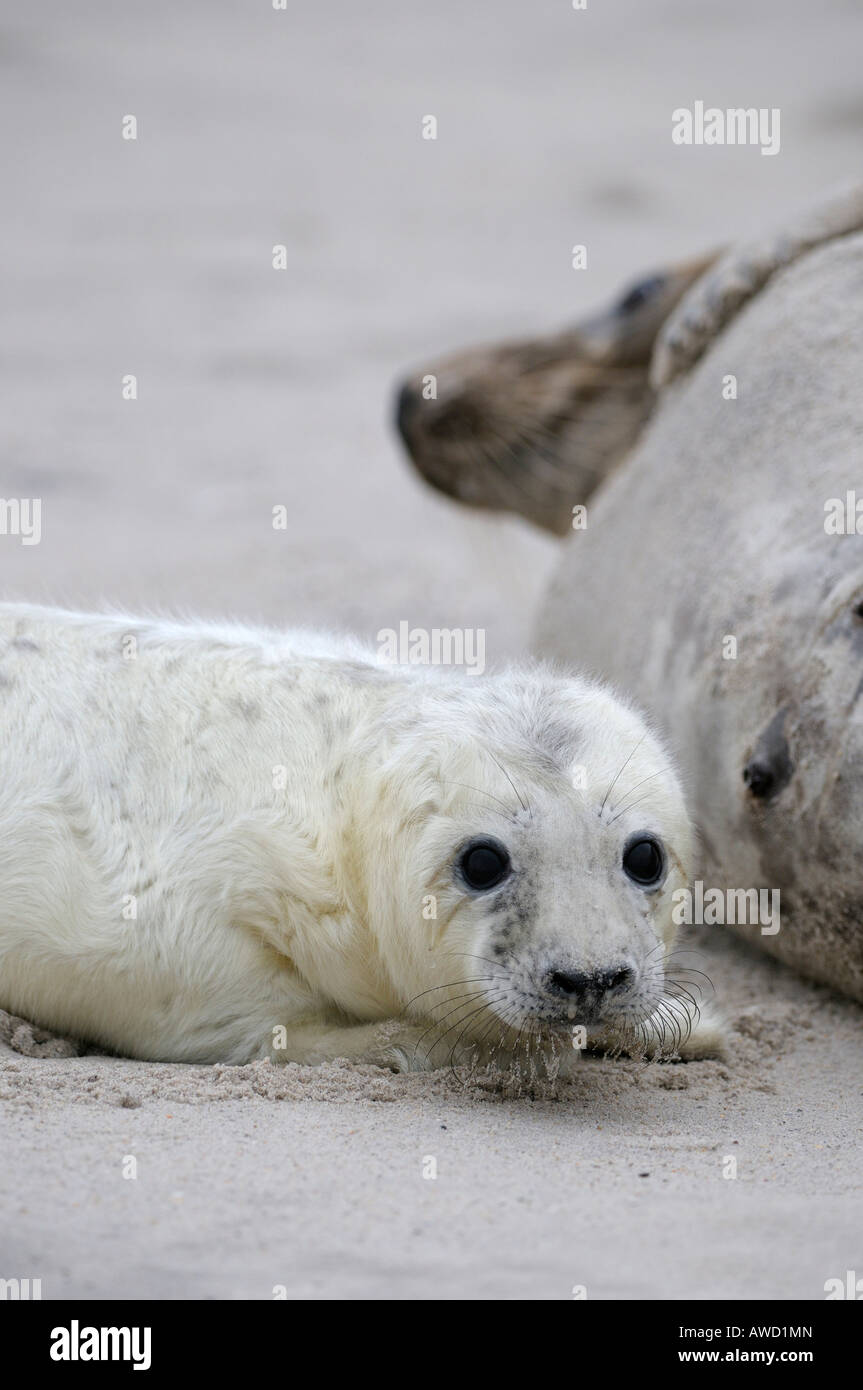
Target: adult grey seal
point(720, 576)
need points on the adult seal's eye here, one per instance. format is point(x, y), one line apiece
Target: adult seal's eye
point(484, 864)
point(643, 861)
point(639, 294)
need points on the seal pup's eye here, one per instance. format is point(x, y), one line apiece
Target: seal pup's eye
point(484, 864)
point(639, 294)
point(644, 861)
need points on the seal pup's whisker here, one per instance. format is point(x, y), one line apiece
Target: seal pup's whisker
point(446, 782)
point(522, 802)
point(486, 1004)
point(621, 807)
point(688, 969)
point(679, 991)
point(518, 1042)
point(479, 1039)
point(659, 1022)
point(680, 1020)
point(689, 1015)
point(624, 764)
point(659, 950)
point(458, 1040)
point(494, 1018)
point(450, 984)
point(435, 1023)
point(695, 991)
point(677, 1011)
point(637, 802)
point(453, 998)
point(474, 956)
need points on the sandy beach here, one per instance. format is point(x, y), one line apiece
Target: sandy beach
point(260, 388)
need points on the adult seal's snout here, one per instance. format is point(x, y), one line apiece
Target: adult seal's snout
point(406, 402)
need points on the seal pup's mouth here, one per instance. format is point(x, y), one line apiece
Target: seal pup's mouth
point(500, 1023)
point(659, 1030)
point(648, 1013)
point(566, 997)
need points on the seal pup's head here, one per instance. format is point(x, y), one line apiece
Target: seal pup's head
point(523, 835)
point(533, 426)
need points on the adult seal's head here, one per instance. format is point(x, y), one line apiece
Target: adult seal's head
point(533, 426)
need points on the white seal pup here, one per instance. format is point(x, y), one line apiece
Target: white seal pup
point(225, 843)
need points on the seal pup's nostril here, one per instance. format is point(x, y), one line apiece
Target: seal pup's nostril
point(578, 986)
point(407, 401)
point(573, 986)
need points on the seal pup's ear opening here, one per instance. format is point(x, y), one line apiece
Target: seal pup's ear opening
point(532, 427)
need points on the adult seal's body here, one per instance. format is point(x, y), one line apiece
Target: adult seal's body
point(228, 843)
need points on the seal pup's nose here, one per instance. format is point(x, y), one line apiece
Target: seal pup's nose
point(407, 401)
point(583, 988)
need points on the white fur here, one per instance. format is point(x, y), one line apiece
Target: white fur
point(277, 809)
